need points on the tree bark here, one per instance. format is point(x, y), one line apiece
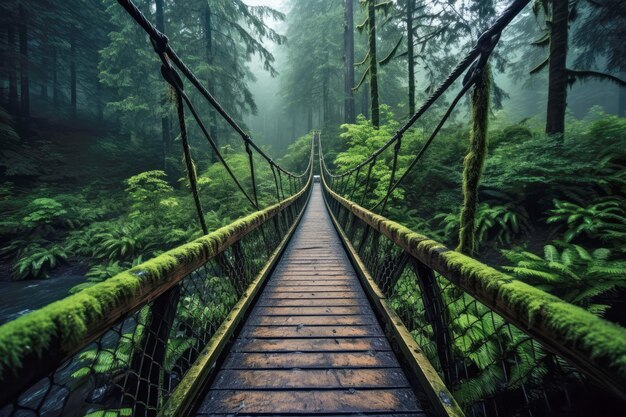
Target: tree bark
point(55, 79)
point(365, 103)
point(373, 61)
point(24, 81)
point(12, 99)
point(348, 60)
point(309, 120)
point(166, 135)
point(557, 75)
point(621, 105)
point(473, 162)
point(208, 39)
point(44, 66)
point(73, 100)
point(410, 8)
point(325, 94)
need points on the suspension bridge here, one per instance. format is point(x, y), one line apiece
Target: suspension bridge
point(313, 305)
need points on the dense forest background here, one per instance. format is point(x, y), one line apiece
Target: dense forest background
point(91, 174)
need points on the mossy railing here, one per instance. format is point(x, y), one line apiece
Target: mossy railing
point(95, 344)
point(484, 331)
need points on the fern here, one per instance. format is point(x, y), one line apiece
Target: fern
point(570, 272)
point(37, 261)
point(499, 223)
point(604, 219)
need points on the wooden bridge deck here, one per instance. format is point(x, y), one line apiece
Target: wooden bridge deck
point(312, 344)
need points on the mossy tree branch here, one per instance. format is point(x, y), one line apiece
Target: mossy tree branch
point(474, 161)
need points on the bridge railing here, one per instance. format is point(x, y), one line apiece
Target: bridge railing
point(501, 346)
point(126, 346)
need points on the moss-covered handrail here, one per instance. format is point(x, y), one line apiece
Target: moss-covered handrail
point(35, 344)
point(593, 345)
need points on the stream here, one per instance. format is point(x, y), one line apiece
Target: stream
point(20, 297)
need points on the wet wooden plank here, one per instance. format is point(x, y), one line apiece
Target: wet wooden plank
point(347, 320)
point(291, 415)
point(310, 345)
point(319, 277)
point(310, 402)
point(351, 289)
point(309, 302)
point(313, 294)
point(311, 360)
point(311, 311)
point(299, 331)
point(315, 283)
point(311, 379)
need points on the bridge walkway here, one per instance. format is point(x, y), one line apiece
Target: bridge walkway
point(312, 343)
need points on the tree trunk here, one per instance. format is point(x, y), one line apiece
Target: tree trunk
point(309, 120)
point(325, 94)
point(621, 105)
point(410, 8)
point(44, 66)
point(55, 79)
point(166, 135)
point(373, 61)
point(208, 38)
point(73, 100)
point(365, 103)
point(473, 163)
point(24, 82)
point(557, 76)
point(348, 62)
point(11, 62)
point(99, 101)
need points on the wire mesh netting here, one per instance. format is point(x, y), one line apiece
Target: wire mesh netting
point(133, 367)
point(491, 366)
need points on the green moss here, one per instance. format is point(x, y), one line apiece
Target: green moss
point(68, 321)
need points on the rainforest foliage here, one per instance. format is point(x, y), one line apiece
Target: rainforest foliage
point(91, 166)
point(528, 175)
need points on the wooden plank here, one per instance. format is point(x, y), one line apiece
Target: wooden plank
point(298, 331)
point(310, 402)
point(354, 320)
point(347, 289)
point(311, 379)
point(311, 360)
point(313, 302)
point(310, 345)
point(318, 277)
point(291, 415)
point(316, 282)
point(313, 295)
point(313, 269)
point(311, 311)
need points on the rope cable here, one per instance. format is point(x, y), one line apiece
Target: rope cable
point(172, 77)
